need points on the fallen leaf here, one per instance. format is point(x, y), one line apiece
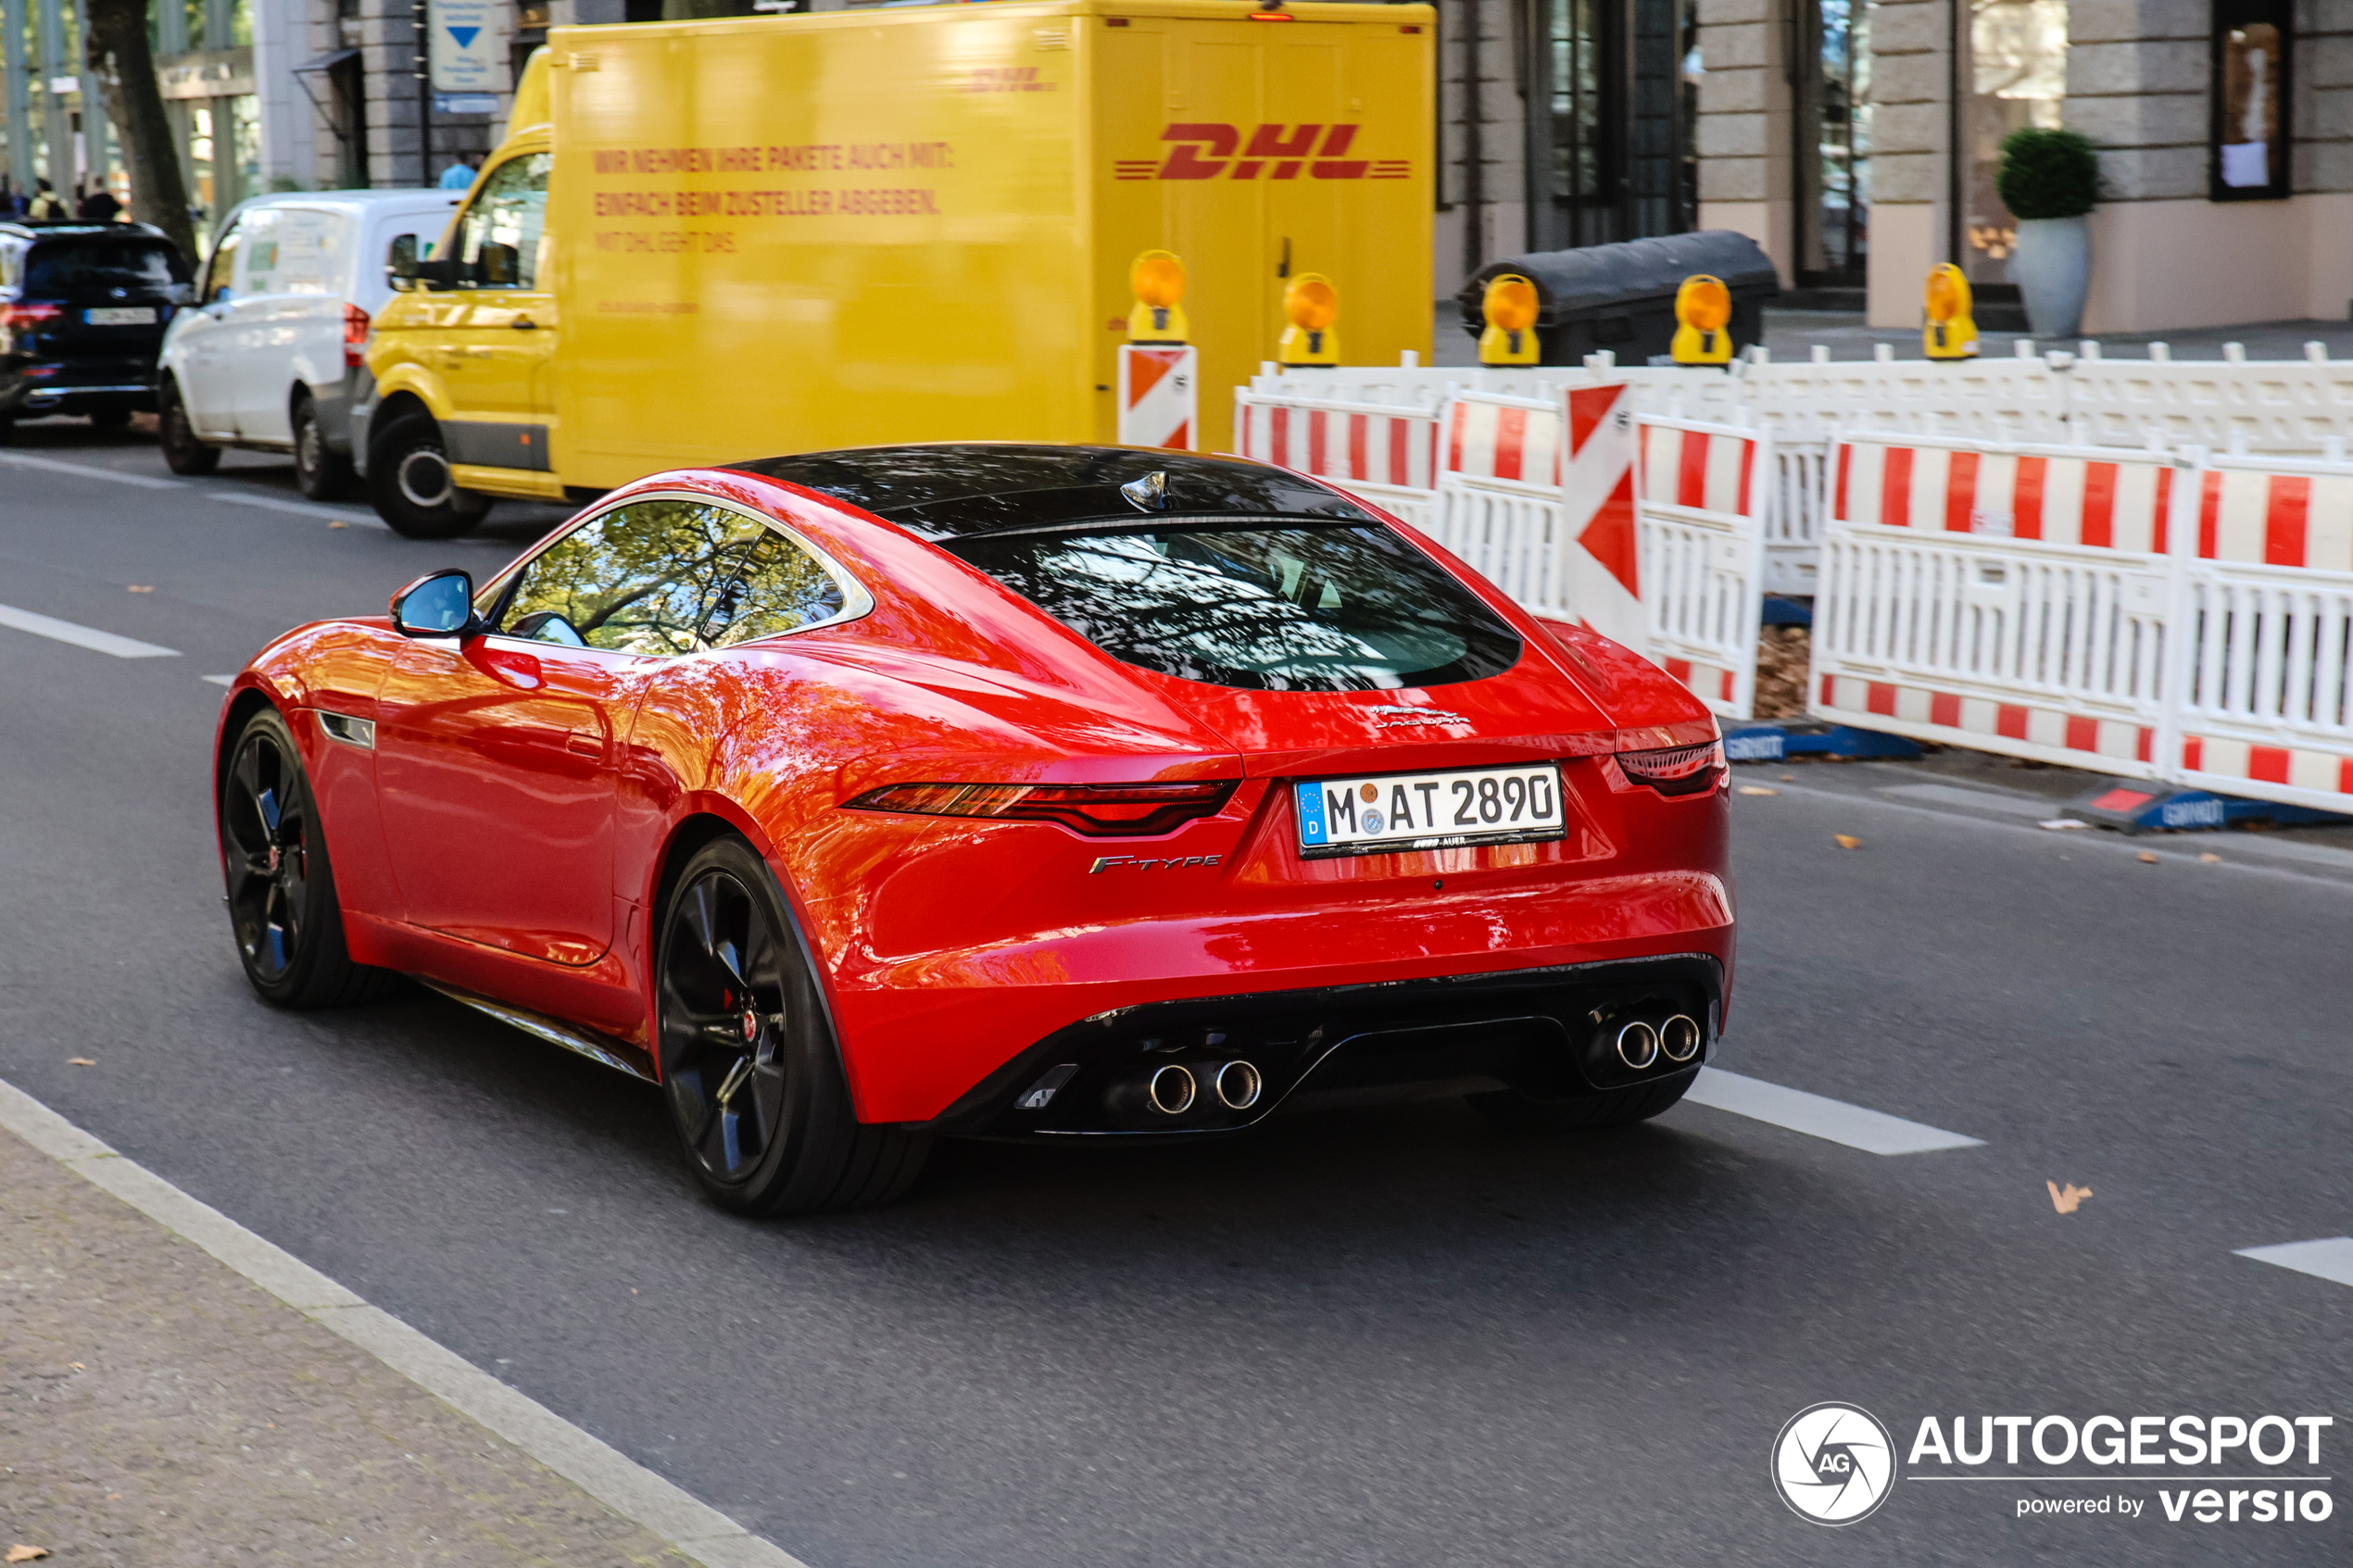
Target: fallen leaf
point(1789, 778)
point(2067, 1200)
point(1847, 843)
point(22, 1553)
point(80, 1061)
point(77, 1366)
point(338, 524)
point(2148, 857)
point(143, 587)
point(1757, 789)
point(2210, 857)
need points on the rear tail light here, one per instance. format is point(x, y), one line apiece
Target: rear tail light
point(355, 337)
point(1679, 770)
point(1097, 811)
point(28, 315)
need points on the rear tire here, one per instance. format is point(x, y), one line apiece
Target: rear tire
point(1517, 1112)
point(409, 483)
point(749, 1069)
point(182, 453)
point(282, 889)
point(320, 472)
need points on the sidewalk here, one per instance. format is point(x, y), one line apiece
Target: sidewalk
point(158, 1410)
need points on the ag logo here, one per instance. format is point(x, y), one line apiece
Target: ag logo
point(1833, 1464)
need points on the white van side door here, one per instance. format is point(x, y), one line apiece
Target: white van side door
point(286, 327)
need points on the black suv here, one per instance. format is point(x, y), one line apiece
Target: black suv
point(83, 308)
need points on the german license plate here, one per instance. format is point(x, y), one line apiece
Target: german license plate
point(1392, 811)
point(120, 316)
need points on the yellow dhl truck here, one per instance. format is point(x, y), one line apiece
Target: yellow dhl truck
point(709, 241)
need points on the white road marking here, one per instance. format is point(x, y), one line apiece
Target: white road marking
point(1874, 1132)
point(236, 497)
point(300, 509)
point(2330, 1259)
point(221, 679)
point(143, 481)
point(1976, 800)
point(82, 636)
point(698, 1530)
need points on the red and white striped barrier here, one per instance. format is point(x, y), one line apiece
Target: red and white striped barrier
point(1702, 490)
point(1388, 454)
point(1159, 396)
point(2008, 597)
point(2264, 674)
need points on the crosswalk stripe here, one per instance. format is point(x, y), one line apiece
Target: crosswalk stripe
point(82, 636)
point(1874, 1132)
point(2331, 1259)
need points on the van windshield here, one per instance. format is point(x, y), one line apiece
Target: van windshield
point(1265, 607)
point(70, 266)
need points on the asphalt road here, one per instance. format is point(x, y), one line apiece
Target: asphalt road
point(1364, 1338)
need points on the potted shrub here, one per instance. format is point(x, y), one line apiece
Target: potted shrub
point(2050, 181)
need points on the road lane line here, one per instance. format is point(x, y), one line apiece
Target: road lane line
point(1874, 1132)
point(223, 680)
point(694, 1528)
point(82, 636)
point(299, 509)
point(233, 496)
point(51, 465)
point(2331, 1260)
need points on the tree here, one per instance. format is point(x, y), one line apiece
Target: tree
point(119, 58)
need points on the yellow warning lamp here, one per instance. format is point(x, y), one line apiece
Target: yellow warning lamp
point(1703, 311)
point(1312, 304)
point(1158, 316)
point(1950, 332)
point(1510, 306)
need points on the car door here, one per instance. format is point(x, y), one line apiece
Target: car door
point(496, 759)
point(287, 318)
point(199, 339)
point(503, 347)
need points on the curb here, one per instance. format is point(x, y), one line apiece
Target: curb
point(628, 1488)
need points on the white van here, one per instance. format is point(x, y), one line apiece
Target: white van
point(269, 355)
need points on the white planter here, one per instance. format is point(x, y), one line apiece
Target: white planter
point(2053, 270)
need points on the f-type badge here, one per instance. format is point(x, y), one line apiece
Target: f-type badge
point(1390, 717)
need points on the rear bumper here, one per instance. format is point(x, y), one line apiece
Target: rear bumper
point(1550, 1033)
point(71, 386)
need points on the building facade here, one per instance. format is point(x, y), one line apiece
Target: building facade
point(1858, 143)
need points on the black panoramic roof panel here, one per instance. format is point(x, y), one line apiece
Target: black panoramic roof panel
point(956, 490)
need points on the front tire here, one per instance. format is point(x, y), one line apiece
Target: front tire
point(182, 453)
point(282, 888)
point(749, 1065)
point(320, 472)
point(1516, 1112)
point(411, 483)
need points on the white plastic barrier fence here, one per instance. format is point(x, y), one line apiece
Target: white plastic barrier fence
point(1386, 453)
point(2263, 675)
point(1707, 499)
point(2285, 406)
point(2008, 597)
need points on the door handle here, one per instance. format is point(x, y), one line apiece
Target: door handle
point(523, 324)
point(583, 745)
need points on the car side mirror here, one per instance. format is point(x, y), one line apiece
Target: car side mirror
point(500, 265)
point(400, 260)
point(441, 605)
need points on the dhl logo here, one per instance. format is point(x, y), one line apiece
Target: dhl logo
point(1276, 152)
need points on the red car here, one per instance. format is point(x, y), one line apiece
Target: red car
point(1006, 790)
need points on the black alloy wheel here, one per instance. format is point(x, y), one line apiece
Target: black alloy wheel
point(281, 888)
point(749, 1067)
point(410, 483)
point(320, 472)
point(182, 453)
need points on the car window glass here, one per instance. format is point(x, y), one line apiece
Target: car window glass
point(778, 587)
point(1312, 608)
point(223, 264)
point(255, 264)
point(503, 232)
point(293, 250)
point(68, 266)
point(638, 579)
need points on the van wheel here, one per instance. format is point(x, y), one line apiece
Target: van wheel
point(410, 482)
point(182, 453)
point(320, 472)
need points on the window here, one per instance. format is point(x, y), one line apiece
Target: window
point(223, 265)
point(59, 267)
point(1611, 96)
point(290, 250)
point(501, 239)
point(2017, 76)
point(1308, 608)
point(669, 577)
point(2253, 59)
point(1834, 142)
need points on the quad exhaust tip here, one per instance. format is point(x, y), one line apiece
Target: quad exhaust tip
point(1172, 1090)
point(1638, 1044)
point(1239, 1085)
point(1680, 1037)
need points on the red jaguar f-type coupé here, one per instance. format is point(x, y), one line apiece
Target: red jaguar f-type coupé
point(1005, 791)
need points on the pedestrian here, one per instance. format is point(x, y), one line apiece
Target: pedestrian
point(47, 206)
point(99, 207)
point(459, 175)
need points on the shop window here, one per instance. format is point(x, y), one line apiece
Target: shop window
point(1834, 141)
point(2253, 55)
point(2017, 72)
point(1610, 103)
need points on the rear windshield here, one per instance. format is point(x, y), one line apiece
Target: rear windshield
point(65, 266)
point(1303, 609)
